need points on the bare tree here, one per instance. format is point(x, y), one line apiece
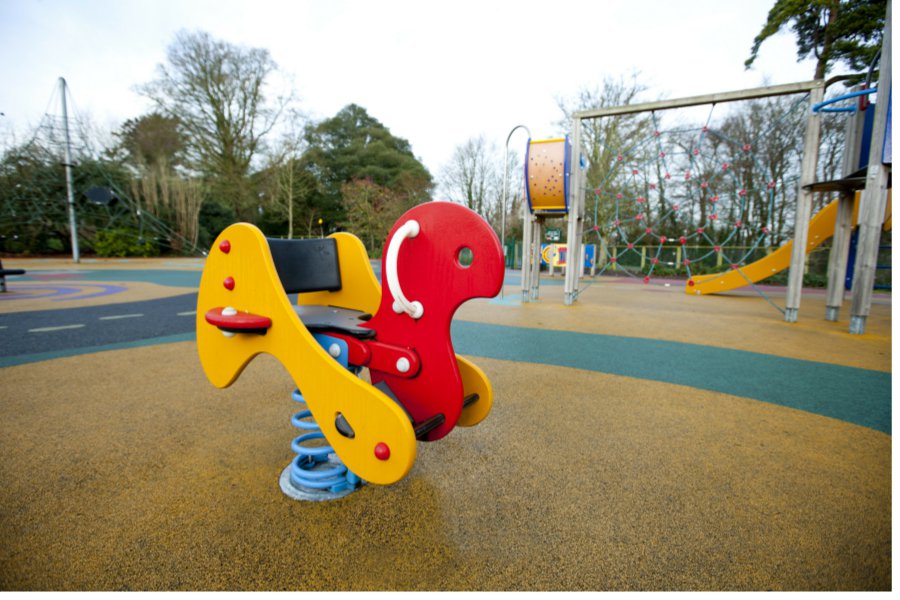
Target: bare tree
point(284, 184)
point(217, 93)
point(769, 170)
point(606, 143)
point(471, 177)
point(171, 197)
point(373, 209)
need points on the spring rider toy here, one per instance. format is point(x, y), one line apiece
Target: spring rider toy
point(437, 256)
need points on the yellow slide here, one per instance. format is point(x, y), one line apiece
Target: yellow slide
point(821, 227)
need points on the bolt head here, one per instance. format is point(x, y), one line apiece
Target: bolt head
point(382, 451)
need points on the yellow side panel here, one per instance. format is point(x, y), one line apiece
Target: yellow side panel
point(360, 289)
point(474, 382)
point(328, 388)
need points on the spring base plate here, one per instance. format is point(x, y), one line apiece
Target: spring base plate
point(310, 494)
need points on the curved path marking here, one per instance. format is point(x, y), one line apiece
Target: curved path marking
point(170, 277)
point(30, 291)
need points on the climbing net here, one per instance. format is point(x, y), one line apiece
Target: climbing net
point(686, 199)
point(33, 191)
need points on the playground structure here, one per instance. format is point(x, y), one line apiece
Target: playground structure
point(555, 187)
point(866, 170)
point(873, 199)
point(344, 321)
point(679, 449)
point(548, 171)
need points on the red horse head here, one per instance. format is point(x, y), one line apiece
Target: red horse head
point(437, 256)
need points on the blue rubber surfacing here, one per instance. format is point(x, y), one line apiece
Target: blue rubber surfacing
point(859, 396)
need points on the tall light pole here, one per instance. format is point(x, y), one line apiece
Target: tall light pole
point(73, 225)
point(505, 192)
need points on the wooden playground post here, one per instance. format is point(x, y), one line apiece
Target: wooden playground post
point(527, 254)
point(843, 225)
point(804, 204)
point(874, 196)
point(531, 254)
point(535, 280)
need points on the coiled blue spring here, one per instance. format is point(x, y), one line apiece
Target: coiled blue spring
point(316, 473)
point(316, 467)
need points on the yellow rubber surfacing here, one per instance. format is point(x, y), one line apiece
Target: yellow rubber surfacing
point(127, 470)
point(153, 479)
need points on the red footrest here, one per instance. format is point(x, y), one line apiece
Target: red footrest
point(236, 321)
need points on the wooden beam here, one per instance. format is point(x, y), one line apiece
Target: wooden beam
point(748, 94)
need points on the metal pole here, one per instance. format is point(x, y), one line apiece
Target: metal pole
point(527, 254)
point(505, 192)
point(73, 226)
point(574, 269)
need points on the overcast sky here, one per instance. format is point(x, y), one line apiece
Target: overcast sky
point(435, 73)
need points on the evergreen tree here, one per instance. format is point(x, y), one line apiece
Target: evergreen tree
point(832, 31)
point(151, 141)
point(354, 146)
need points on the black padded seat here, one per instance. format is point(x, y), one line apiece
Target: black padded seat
point(312, 266)
point(323, 319)
point(306, 265)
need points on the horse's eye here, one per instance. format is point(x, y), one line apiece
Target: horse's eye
point(464, 257)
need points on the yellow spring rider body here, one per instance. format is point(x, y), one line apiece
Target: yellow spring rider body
point(344, 321)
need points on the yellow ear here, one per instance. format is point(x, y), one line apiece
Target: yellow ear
point(474, 382)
